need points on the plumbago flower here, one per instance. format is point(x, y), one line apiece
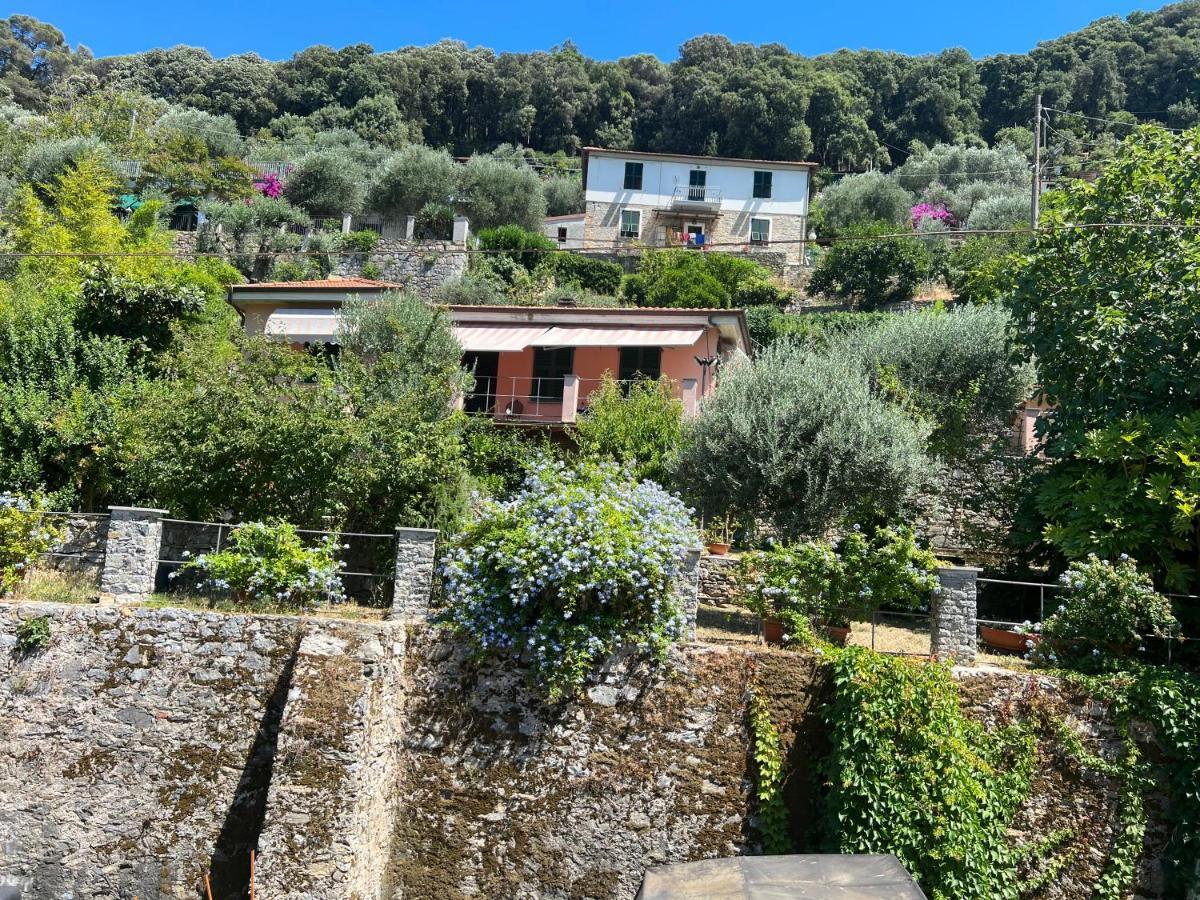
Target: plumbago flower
point(24, 535)
point(579, 562)
point(266, 565)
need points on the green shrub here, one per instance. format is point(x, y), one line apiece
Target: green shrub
point(870, 270)
point(596, 275)
point(688, 289)
point(359, 241)
point(838, 582)
point(33, 634)
point(371, 270)
point(1105, 612)
point(814, 330)
point(24, 536)
point(633, 289)
point(799, 440)
point(266, 565)
point(639, 425)
point(470, 290)
point(291, 270)
point(911, 774)
point(580, 562)
point(499, 457)
point(516, 244)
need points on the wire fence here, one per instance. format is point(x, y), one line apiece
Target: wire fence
point(368, 571)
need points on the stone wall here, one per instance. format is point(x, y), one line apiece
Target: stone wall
point(138, 751)
point(421, 266)
point(147, 747)
point(718, 580)
point(335, 786)
point(508, 796)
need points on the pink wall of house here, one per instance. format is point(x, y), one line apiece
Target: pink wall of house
point(515, 371)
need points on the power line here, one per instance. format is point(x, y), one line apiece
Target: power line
point(1067, 112)
point(608, 248)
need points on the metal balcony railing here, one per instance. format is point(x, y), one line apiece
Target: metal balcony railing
point(696, 195)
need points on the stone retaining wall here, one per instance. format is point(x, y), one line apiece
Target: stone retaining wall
point(136, 751)
point(718, 581)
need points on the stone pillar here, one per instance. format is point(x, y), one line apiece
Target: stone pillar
point(462, 229)
point(410, 227)
point(130, 554)
point(954, 614)
point(347, 219)
point(570, 400)
point(414, 573)
point(687, 591)
point(690, 390)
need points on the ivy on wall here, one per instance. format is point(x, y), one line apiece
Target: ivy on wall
point(911, 774)
point(769, 778)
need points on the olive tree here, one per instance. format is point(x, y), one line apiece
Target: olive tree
point(326, 183)
point(799, 440)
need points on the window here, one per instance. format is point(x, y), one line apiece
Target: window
point(697, 181)
point(550, 365)
point(762, 185)
point(760, 231)
point(640, 362)
point(633, 176)
point(631, 223)
point(562, 234)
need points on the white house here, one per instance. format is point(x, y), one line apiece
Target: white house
point(666, 199)
point(566, 231)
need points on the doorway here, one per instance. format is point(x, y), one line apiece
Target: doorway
point(697, 180)
point(695, 234)
point(485, 367)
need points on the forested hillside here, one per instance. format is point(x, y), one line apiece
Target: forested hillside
point(848, 110)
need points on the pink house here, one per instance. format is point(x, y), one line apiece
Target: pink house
point(532, 364)
point(541, 364)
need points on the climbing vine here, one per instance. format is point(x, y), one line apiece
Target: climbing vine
point(911, 774)
point(768, 761)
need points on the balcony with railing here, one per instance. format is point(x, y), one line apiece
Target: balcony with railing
point(525, 399)
point(695, 198)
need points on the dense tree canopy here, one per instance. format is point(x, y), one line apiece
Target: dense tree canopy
point(848, 109)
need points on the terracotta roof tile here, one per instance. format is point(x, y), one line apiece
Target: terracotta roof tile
point(322, 284)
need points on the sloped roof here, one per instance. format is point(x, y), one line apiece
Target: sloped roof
point(322, 284)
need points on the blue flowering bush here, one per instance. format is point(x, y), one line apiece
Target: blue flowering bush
point(267, 566)
point(24, 535)
point(578, 563)
point(1105, 611)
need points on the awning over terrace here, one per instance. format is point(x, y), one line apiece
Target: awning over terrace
point(303, 325)
point(483, 339)
point(583, 336)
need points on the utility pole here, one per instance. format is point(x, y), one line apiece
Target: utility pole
point(1037, 163)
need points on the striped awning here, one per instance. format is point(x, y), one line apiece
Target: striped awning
point(584, 336)
point(497, 338)
point(303, 325)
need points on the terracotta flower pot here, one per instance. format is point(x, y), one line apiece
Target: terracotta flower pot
point(837, 634)
point(1000, 639)
point(716, 548)
point(773, 631)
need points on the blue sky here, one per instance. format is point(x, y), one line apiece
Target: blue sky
point(599, 29)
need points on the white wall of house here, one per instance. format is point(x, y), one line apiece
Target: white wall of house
point(735, 181)
point(566, 231)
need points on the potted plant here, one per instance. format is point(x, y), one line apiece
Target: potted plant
point(787, 586)
point(716, 537)
point(1014, 638)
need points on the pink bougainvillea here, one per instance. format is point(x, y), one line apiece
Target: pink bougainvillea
point(268, 185)
point(937, 212)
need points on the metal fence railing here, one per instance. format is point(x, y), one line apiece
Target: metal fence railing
point(368, 573)
point(1029, 601)
point(81, 541)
